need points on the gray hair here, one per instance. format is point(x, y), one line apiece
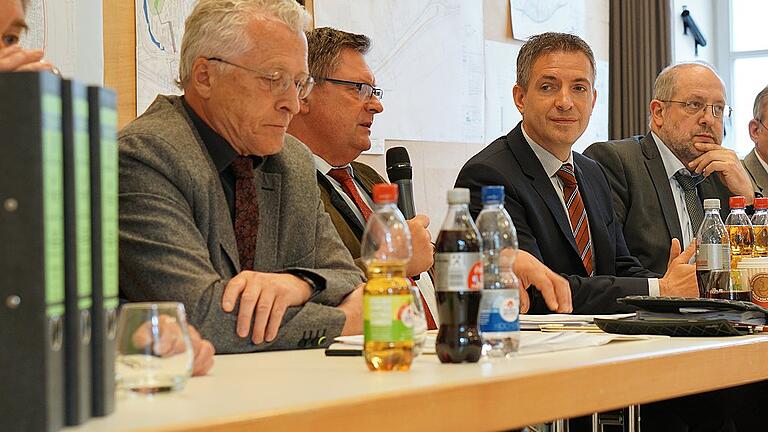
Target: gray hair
point(547, 43)
point(325, 45)
point(217, 28)
point(760, 102)
point(664, 86)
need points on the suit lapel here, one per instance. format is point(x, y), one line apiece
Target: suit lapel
point(658, 174)
point(268, 184)
point(222, 222)
point(340, 205)
point(597, 232)
point(532, 168)
point(756, 172)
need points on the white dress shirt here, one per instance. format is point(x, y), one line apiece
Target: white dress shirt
point(551, 166)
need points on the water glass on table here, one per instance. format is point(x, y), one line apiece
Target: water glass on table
point(154, 351)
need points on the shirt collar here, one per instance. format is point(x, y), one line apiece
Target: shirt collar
point(549, 161)
point(324, 167)
point(221, 151)
point(671, 163)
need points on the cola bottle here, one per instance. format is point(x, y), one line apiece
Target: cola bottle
point(458, 284)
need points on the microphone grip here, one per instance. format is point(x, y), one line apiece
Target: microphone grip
point(405, 198)
point(405, 202)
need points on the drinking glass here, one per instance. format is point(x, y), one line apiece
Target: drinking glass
point(154, 352)
point(419, 322)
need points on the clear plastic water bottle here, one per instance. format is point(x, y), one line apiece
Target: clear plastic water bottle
point(713, 265)
point(500, 303)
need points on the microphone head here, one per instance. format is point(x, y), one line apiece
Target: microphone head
point(398, 164)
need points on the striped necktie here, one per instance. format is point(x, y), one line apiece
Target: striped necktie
point(577, 215)
point(692, 203)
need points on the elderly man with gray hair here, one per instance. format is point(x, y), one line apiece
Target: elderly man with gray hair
point(756, 161)
point(660, 180)
point(215, 208)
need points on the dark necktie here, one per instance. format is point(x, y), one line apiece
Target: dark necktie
point(577, 214)
point(342, 176)
point(692, 203)
point(246, 211)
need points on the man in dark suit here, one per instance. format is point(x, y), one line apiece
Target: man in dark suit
point(334, 122)
point(214, 208)
point(660, 180)
point(560, 201)
point(755, 162)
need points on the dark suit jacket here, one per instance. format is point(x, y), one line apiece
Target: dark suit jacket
point(543, 228)
point(177, 241)
point(643, 199)
point(756, 172)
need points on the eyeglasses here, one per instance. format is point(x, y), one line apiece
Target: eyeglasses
point(695, 107)
point(279, 82)
point(364, 90)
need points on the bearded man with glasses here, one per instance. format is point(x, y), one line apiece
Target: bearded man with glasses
point(756, 161)
point(214, 208)
point(660, 180)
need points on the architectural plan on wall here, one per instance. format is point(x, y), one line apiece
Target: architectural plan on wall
point(159, 29)
point(530, 17)
point(70, 33)
point(427, 56)
point(501, 114)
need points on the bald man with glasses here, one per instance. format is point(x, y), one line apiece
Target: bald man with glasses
point(660, 180)
point(756, 161)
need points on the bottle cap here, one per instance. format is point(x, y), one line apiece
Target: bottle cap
point(737, 202)
point(493, 194)
point(458, 196)
point(711, 203)
point(384, 193)
point(761, 203)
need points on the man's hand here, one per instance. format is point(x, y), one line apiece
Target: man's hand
point(352, 306)
point(17, 59)
point(725, 162)
point(264, 297)
point(680, 279)
point(170, 341)
point(554, 288)
point(421, 241)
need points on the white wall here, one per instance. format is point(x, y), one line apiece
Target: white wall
point(436, 165)
point(703, 13)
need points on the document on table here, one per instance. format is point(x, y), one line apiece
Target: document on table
point(530, 342)
point(534, 322)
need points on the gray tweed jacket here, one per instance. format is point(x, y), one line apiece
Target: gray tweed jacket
point(177, 242)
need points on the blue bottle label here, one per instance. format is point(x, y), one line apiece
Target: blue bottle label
point(500, 311)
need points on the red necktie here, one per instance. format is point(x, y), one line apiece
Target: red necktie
point(246, 211)
point(577, 215)
point(342, 176)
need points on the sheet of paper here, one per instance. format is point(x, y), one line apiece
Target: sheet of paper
point(530, 17)
point(70, 33)
point(159, 29)
point(427, 56)
point(568, 318)
point(501, 114)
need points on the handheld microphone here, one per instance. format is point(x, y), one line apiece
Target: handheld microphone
point(400, 173)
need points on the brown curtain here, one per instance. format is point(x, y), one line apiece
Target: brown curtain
point(640, 47)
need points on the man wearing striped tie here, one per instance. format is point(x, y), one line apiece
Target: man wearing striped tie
point(559, 200)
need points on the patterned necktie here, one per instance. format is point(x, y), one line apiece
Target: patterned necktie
point(692, 203)
point(577, 215)
point(342, 176)
point(246, 211)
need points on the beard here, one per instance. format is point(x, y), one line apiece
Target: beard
point(681, 145)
